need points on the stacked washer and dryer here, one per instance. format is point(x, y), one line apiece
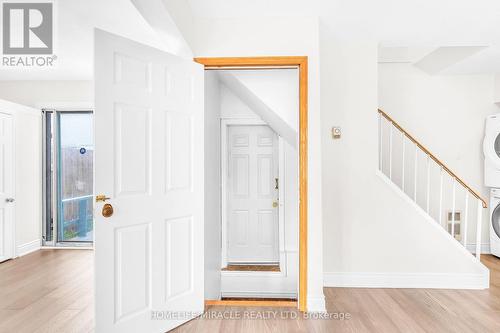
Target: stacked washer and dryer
point(491, 148)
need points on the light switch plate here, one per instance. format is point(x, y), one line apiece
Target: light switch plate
point(336, 132)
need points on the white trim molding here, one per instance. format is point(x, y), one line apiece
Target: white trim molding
point(29, 247)
point(316, 303)
point(407, 280)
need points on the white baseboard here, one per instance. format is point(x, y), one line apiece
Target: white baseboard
point(29, 247)
point(407, 280)
point(485, 248)
point(316, 303)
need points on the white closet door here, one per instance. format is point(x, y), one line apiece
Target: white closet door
point(149, 162)
point(6, 187)
point(252, 199)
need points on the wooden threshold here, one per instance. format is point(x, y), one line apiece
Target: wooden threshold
point(252, 268)
point(252, 302)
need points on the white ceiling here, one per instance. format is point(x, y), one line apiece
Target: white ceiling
point(417, 23)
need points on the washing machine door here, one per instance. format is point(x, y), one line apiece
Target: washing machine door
point(495, 220)
point(491, 148)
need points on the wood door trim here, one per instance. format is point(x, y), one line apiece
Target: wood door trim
point(263, 303)
point(301, 62)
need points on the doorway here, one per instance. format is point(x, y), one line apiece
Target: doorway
point(239, 229)
point(68, 178)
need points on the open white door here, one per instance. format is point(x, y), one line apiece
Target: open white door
point(6, 187)
point(149, 162)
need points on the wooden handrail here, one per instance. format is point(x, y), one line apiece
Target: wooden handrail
point(434, 158)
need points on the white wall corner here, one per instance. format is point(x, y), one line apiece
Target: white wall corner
point(407, 280)
point(27, 248)
point(316, 303)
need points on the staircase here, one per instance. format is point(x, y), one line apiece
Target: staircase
point(429, 183)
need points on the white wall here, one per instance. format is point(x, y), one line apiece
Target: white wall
point(275, 101)
point(280, 36)
point(28, 175)
point(212, 187)
point(232, 107)
point(373, 236)
point(446, 113)
point(278, 89)
point(45, 93)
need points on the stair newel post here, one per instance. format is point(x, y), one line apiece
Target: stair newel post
point(478, 228)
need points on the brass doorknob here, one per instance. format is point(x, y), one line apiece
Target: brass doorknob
point(107, 210)
point(275, 204)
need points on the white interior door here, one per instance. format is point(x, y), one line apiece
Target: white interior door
point(149, 162)
point(6, 187)
point(252, 225)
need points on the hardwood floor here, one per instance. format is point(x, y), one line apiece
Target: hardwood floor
point(52, 291)
point(47, 291)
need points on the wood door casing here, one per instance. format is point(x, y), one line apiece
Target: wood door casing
point(302, 63)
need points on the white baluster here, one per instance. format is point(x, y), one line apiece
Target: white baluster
point(415, 174)
point(390, 151)
point(453, 208)
point(466, 217)
point(478, 228)
point(441, 197)
point(428, 183)
point(403, 167)
point(380, 141)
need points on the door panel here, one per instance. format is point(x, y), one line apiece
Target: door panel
point(178, 143)
point(6, 187)
point(149, 161)
point(133, 130)
point(179, 257)
point(252, 219)
point(133, 256)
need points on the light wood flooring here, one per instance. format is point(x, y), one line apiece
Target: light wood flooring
point(52, 291)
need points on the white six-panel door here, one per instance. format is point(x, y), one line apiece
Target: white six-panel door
point(149, 162)
point(6, 187)
point(252, 220)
